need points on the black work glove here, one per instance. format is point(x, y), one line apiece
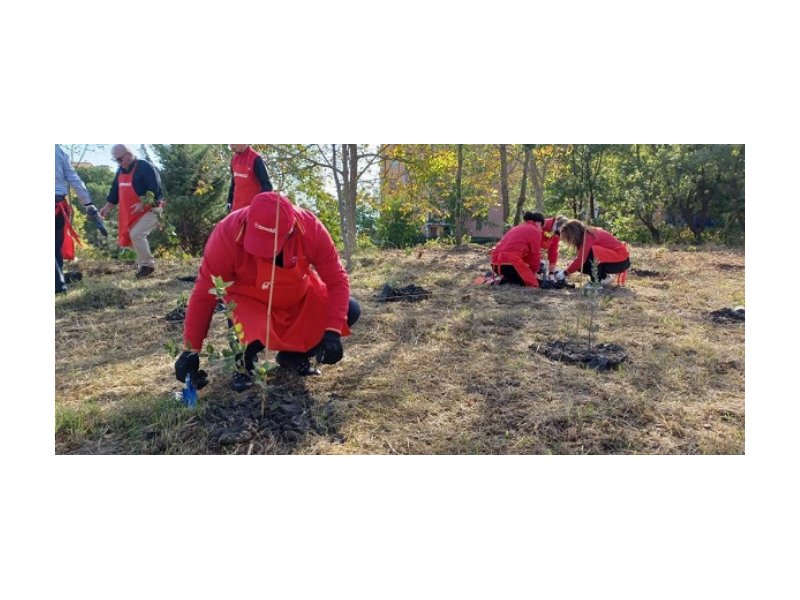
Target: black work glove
point(330, 349)
point(188, 363)
point(94, 215)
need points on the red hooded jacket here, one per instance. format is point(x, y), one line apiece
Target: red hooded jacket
point(606, 249)
point(225, 256)
point(520, 247)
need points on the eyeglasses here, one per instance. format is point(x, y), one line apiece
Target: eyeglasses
point(120, 159)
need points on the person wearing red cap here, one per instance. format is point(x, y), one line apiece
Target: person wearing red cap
point(272, 247)
point(594, 245)
point(248, 176)
point(516, 256)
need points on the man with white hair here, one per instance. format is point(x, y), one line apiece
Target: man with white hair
point(138, 213)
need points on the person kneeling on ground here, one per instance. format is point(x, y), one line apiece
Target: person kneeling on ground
point(516, 256)
point(594, 244)
point(272, 244)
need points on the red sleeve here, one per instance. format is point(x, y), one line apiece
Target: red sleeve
point(552, 251)
point(218, 259)
point(321, 251)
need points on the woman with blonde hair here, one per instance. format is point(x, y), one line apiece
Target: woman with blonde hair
point(594, 244)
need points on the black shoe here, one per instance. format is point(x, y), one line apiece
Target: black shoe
point(295, 364)
point(145, 272)
point(241, 382)
point(73, 277)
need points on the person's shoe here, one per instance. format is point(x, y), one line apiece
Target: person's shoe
point(73, 277)
point(61, 291)
point(241, 382)
point(145, 272)
point(608, 280)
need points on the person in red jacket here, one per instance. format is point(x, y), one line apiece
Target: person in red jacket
point(248, 176)
point(516, 256)
point(551, 235)
point(594, 244)
point(272, 249)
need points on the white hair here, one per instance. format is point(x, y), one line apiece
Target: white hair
point(122, 150)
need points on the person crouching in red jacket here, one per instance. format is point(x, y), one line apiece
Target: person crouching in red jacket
point(272, 246)
point(516, 256)
point(551, 236)
point(594, 244)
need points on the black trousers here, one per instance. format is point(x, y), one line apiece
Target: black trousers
point(254, 347)
point(510, 276)
point(605, 269)
point(60, 285)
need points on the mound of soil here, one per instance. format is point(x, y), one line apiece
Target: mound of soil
point(602, 357)
point(289, 417)
point(410, 293)
point(645, 273)
point(729, 267)
point(728, 315)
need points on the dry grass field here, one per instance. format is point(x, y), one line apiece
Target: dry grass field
point(456, 373)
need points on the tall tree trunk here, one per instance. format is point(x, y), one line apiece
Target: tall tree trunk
point(351, 201)
point(504, 183)
point(523, 187)
point(339, 193)
point(537, 181)
point(347, 193)
point(459, 207)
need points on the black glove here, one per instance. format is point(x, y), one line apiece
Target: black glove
point(330, 349)
point(188, 363)
point(94, 215)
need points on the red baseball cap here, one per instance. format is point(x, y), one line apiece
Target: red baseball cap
point(262, 229)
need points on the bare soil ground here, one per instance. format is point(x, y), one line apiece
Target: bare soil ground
point(455, 373)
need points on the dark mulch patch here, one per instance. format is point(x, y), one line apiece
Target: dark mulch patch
point(602, 357)
point(176, 314)
point(73, 276)
point(728, 315)
point(555, 285)
point(729, 267)
point(410, 293)
point(179, 313)
point(645, 273)
point(290, 416)
point(188, 278)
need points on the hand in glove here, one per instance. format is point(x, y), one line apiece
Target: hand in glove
point(560, 275)
point(188, 363)
point(94, 215)
point(330, 348)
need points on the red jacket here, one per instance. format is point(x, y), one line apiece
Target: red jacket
point(550, 242)
point(606, 249)
point(225, 257)
point(520, 247)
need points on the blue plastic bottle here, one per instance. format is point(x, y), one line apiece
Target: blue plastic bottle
point(189, 393)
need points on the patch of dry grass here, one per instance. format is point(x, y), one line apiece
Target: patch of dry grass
point(453, 374)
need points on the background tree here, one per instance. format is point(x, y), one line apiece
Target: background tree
point(195, 179)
